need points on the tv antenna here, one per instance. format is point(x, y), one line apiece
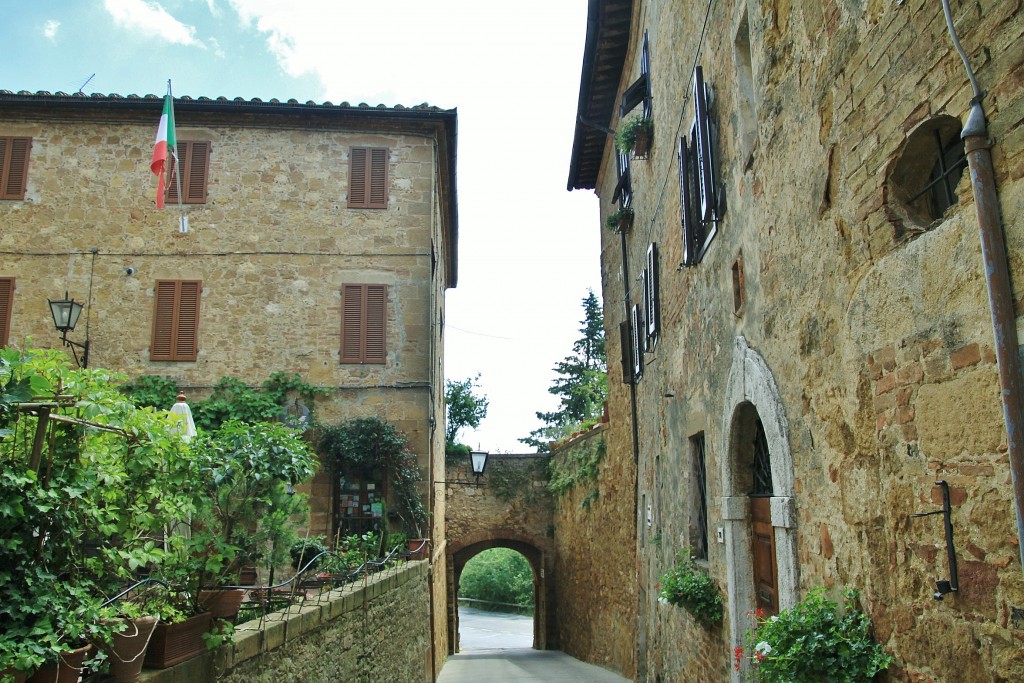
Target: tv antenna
point(85, 84)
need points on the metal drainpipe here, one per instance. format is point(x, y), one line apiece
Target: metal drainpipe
point(1000, 292)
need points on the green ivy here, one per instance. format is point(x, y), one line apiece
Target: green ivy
point(687, 585)
point(509, 482)
point(575, 466)
point(369, 444)
point(231, 398)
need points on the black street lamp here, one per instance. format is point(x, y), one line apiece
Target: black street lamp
point(65, 316)
point(478, 461)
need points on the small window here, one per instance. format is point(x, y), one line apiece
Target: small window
point(623, 188)
point(6, 307)
point(364, 324)
point(368, 178)
point(698, 498)
point(14, 154)
point(626, 352)
point(923, 180)
point(176, 320)
point(195, 163)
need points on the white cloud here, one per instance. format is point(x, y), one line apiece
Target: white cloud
point(50, 29)
point(150, 19)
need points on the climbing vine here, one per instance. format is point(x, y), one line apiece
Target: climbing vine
point(578, 466)
point(231, 399)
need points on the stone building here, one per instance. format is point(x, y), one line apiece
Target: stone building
point(320, 240)
point(802, 308)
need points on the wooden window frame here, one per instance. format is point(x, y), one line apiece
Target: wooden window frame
point(368, 178)
point(364, 322)
point(194, 156)
point(176, 320)
point(699, 528)
point(6, 308)
point(640, 91)
point(14, 158)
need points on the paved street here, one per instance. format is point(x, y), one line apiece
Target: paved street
point(497, 648)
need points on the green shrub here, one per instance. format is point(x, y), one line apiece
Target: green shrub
point(815, 641)
point(687, 585)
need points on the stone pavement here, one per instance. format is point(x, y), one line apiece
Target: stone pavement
point(522, 665)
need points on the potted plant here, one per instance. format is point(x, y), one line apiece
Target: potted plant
point(635, 134)
point(245, 506)
point(621, 220)
point(815, 640)
point(133, 621)
point(687, 585)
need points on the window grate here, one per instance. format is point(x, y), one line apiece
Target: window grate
point(762, 463)
point(945, 175)
point(699, 535)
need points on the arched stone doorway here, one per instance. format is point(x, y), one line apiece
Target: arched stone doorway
point(542, 563)
point(758, 508)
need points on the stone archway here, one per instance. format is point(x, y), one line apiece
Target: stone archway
point(542, 563)
point(752, 395)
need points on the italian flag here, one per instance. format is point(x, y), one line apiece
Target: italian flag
point(163, 148)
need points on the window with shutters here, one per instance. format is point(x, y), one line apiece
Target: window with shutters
point(652, 297)
point(6, 306)
point(194, 158)
point(176, 320)
point(14, 167)
point(368, 178)
point(364, 324)
point(700, 199)
point(636, 324)
point(640, 90)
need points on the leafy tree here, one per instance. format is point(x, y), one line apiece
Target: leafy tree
point(498, 575)
point(465, 408)
point(582, 382)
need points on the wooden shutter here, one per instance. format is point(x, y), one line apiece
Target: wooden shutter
point(6, 306)
point(364, 324)
point(195, 163)
point(176, 320)
point(653, 312)
point(368, 178)
point(636, 325)
point(14, 154)
point(766, 584)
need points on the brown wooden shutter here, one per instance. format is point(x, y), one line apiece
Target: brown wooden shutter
point(364, 324)
point(378, 179)
point(195, 164)
point(376, 323)
point(14, 154)
point(6, 306)
point(176, 320)
point(351, 323)
point(368, 178)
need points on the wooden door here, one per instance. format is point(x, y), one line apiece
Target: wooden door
point(766, 585)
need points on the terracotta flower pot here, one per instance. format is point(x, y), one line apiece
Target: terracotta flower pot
point(18, 676)
point(222, 604)
point(129, 649)
point(68, 670)
point(174, 643)
point(419, 548)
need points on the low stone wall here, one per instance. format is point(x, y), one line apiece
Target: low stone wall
point(378, 630)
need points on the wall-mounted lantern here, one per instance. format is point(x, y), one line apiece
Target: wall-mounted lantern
point(65, 316)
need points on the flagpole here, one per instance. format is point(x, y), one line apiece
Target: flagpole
point(182, 224)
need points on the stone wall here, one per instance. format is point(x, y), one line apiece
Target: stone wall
point(595, 551)
point(860, 338)
point(376, 630)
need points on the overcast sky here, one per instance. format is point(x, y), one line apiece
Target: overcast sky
point(528, 249)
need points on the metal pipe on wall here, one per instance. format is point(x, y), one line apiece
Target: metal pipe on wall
point(977, 146)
